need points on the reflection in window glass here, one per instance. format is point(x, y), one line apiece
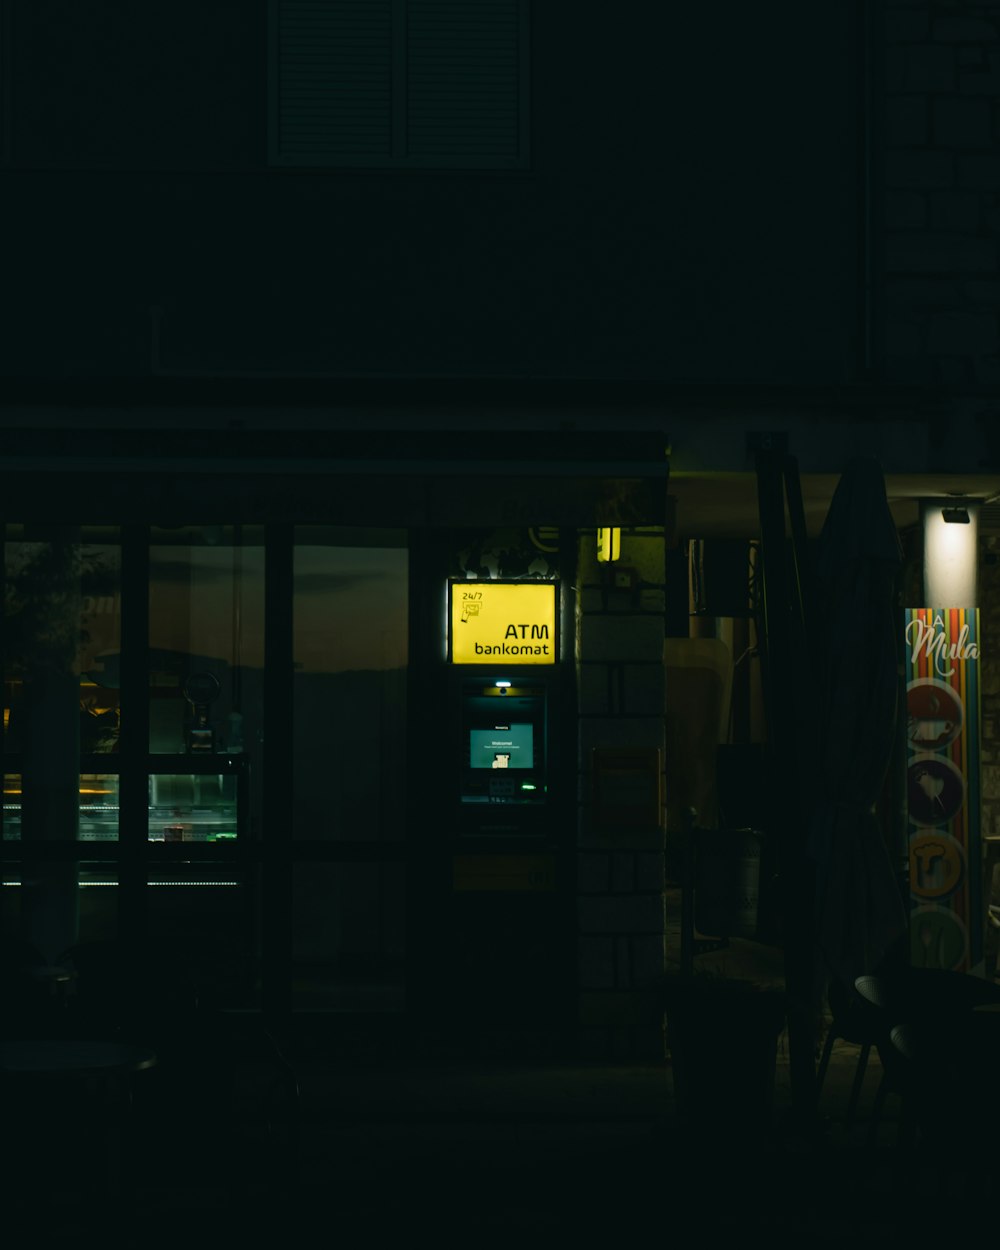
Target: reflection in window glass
point(206, 638)
point(98, 807)
point(10, 901)
point(202, 912)
point(12, 807)
point(62, 634)
point(350, 652)
point(98, 915)
point(95, 889)
point(348, 936)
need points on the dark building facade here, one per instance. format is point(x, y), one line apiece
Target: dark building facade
point(314, 314)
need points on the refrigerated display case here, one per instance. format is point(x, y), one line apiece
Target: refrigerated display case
point(195, 806)
point(98, 807)
point(189, 800)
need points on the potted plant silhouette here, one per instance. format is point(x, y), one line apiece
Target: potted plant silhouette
point(48, 575)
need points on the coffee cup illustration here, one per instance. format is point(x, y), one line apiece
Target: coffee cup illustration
point(935, 715)
point(931, 733)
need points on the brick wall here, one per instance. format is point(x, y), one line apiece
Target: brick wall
point(989, 625)
point(620, 676)
point(941, 191)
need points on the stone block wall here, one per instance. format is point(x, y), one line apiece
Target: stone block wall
point(620, 869)
point(940, 191)
point(989, 625)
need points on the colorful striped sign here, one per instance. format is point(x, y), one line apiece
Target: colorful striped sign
point(943, 730)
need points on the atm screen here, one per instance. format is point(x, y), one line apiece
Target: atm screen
point(503, 746)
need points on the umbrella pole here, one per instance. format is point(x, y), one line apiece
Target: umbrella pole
point(785, 662)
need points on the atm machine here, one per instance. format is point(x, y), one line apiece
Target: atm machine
point(503, 782)
point(505, 671)
point(511, 808)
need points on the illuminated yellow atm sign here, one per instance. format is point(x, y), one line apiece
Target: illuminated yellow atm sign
point(506, 621)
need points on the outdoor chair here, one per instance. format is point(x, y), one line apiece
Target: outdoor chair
point(928, 1061)
point(852, 1020)
point(881, 1002)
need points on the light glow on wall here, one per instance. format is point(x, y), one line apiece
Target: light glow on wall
point(950, 555)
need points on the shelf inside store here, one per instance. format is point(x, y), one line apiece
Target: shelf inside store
point(100, 824)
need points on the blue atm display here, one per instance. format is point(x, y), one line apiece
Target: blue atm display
point(503, 746)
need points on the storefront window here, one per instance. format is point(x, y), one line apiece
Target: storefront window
point(87, 890)
point(61, 639)
point(97, 813)
point(61, 642)
point(203, 913)
point(169, 808)
point(348, 937)
point(98, 901)
point(197, 807)
point(206, 639)
point(350, 653)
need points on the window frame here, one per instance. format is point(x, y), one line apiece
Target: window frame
point(266, 855)
point(399, 157)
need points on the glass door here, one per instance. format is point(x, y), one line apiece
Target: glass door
point(204, 739)
point(349, 748)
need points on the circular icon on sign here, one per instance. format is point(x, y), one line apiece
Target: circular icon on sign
point(938, 938)
point(937, 864)
point(934, 714)
point(935, 789)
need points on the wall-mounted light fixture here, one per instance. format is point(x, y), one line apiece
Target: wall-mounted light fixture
point(609, 545)
point(950, 552)
point(955, 516)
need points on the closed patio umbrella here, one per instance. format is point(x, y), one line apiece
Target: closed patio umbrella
point(860, 913)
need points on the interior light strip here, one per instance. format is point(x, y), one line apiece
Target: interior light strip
point(89, 885)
